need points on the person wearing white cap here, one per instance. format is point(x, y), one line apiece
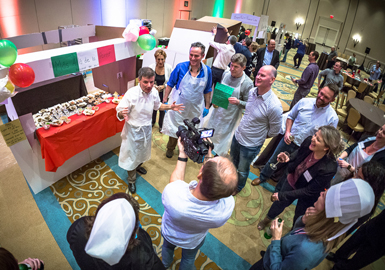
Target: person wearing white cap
point(112, 238)
point(321, 229)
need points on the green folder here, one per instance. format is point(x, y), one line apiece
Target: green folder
point(221, 95)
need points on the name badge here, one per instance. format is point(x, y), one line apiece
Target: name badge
point(202, 83)
point(307, 176)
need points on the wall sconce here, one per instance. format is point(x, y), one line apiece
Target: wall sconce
point(356, 39)
point(298, 22)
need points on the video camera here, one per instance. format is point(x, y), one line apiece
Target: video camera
point(194, 145)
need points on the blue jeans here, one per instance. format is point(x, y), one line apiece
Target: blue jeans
point(284, 58)
point(267, 172)
point(188, 255)
point(242, 157)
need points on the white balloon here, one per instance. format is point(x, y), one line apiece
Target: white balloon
point(131, 33)
point(153, 32)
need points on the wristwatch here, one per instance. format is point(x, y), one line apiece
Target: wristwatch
point(182, 159)
point(349, 167)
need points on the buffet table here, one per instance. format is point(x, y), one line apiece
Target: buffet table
point(58, 144)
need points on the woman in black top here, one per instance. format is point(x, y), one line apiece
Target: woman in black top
point(309, 173)
point(162, 75)
point(139, 253)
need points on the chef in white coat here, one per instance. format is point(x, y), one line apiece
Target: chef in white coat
point(225, 121)
point(192, 81)
point(136, 110)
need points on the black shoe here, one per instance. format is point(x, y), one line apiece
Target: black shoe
point(132, 188)
point(141, 170)
point(262, 253)
point(331, 257)
point(169, 153)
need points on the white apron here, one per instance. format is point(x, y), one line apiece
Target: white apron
point(357, 157)
point(225, 122)
point(136, 146)
point(190, 94)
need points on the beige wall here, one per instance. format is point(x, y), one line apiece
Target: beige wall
point(365, 17)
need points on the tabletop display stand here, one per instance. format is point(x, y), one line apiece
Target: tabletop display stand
point(50, 88)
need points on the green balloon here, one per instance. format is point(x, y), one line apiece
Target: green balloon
point(147, 42)
point(8, 53)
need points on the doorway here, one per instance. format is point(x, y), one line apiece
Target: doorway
point(326, 36)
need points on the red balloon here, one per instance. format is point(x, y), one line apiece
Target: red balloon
point(143, 30)
point(21, 75)
point(331, 16)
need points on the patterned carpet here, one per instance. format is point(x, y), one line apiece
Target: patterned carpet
point(236, 245)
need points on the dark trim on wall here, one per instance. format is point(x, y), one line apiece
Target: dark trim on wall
point(267, 9)
point(343, 27)
point(354, 19)
point(263, 7)
point(315, 15)
point(307, 14)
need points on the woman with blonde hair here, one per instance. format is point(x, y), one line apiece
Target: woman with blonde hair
point(309, 173)
point(320, 230)
point(162, 75)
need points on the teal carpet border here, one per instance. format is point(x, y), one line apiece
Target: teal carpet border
point(56, 220)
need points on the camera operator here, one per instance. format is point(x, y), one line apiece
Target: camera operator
point(191, 209)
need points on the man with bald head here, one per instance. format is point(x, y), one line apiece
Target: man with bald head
point(262, 119)
point(191, 209)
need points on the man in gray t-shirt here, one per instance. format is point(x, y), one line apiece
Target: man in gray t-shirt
point(225, 121)
point(332, 76)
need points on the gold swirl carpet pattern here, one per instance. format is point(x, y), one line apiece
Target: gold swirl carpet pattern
point(80, 193)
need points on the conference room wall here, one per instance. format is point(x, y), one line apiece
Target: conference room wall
point(369, 23)
point(364, 17)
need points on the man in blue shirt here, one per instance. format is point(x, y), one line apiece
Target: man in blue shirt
point(375, 72)
point(300, 53)
point(192, 81)
point(267, 56)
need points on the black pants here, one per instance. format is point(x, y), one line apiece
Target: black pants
point(278, 206)
point(299, 57)
point(217, 75)
point(161, 114)
point(367, 251)
point(330, 64)
point(258, 265)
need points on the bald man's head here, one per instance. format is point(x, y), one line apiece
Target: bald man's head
point(219, 179)
point(266, 77)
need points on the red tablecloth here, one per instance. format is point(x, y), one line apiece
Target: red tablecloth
point(59, 144)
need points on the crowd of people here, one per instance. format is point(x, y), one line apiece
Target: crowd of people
point(337, 190)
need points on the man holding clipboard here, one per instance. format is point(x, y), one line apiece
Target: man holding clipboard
point(227, 113)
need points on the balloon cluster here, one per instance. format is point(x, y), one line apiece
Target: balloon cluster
point(140, 34)
point(19, 74)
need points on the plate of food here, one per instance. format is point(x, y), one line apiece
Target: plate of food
point(89, 112)
point(116, 101)
point(57, 123)
point(82, 104)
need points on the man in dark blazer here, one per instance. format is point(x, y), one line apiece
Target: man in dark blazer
point(269, 58)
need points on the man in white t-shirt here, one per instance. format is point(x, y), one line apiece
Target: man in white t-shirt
point(191, 209)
